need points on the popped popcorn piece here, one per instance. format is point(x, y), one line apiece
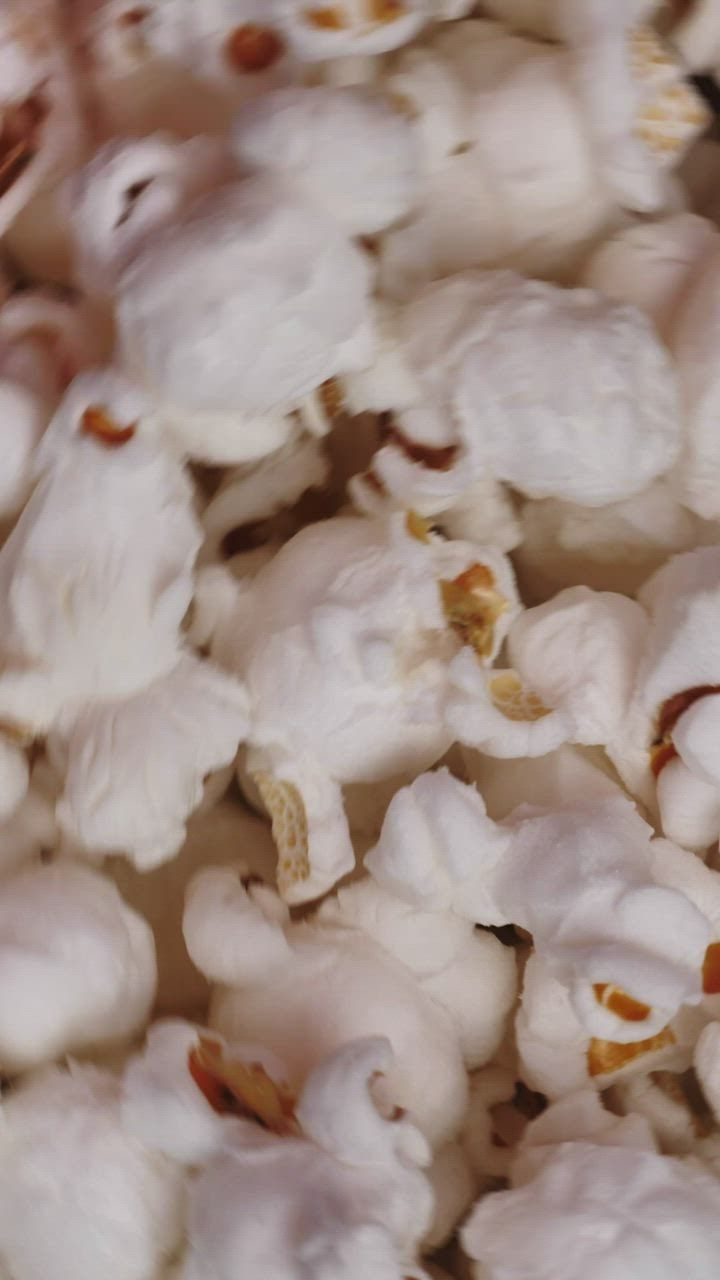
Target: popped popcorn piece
point(97, 571)
point(610, 548)
point(664, 749)
point(79, 966)
point(609, 116)
point(650, 264)
point(347, 1198)
point(581, 881)
point(630, 85)
point(44, 341)
point(344, 650)
point(41, 132)
point(79, 1194)
point(347, 150)
point(304, 989)
point(664, 1099)
point(574, 662)
point(187, 723)
point(558, 1056)
point(593, 1203)
point(346, 28)
point(581, 404)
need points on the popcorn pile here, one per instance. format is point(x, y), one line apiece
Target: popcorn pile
point(359, 659)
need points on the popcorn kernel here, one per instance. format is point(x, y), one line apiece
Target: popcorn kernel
point(242, 1089)
point(620, 1003)
point(605, 1056)
point(472, 606)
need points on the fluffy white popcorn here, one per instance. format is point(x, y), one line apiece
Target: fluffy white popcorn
point(343, 642)
point(665, 748)
point(44, 340)
point(595, 1205)
point(304, 989)
point(41, 133)
point(348, 150)
point(629, 950)
point(98, 578)
point(607, 118)
point(573, 667)
point(79, 966)
point(558, 392)
point(610, 548)
point(80, 1195)
point(187, 723)
point(692, 343)
point(650, 264)
point(345, 1198)
point(558, 1056)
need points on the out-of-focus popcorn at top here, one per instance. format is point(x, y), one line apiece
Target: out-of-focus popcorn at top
point(557, 392)
point(344, 643)
point(531, 149)
point(41, 130)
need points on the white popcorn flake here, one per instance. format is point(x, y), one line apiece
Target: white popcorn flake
point(80, 1194)
point(79, 965)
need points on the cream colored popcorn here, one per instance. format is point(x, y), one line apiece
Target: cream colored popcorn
point(696, 34)
point(174, 64)
point(664, 748)
point(664, 1099)
point(98, 578)
point(79, 966)
point(349, 150)
point(45, 340)
point(230, 315)
point(346, 1196)
point(531, 149)
point(574, 662)
point(79, 1194)
point(41, 134)
point(629, 948)
point(364, 965)
point(344, 642)
point(346, 28)
point(557, 1055)
point(611, 548)
point(589, 1197)
point(559, 393)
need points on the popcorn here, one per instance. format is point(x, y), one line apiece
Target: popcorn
point(79, 965)
point(41, 134)
point(344, 651)
point(44, 341)
point(92, 629)
point(696, 35)
point(471, 400)
point(346, 149)
point(359, 967)
point(345, 28)
point(610, 548)
point(662, 749)
point(351, 1185)
point(79, 1194)
point(595, 1202)
point(574, 663)
point(488, 102)
point(581, 881)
